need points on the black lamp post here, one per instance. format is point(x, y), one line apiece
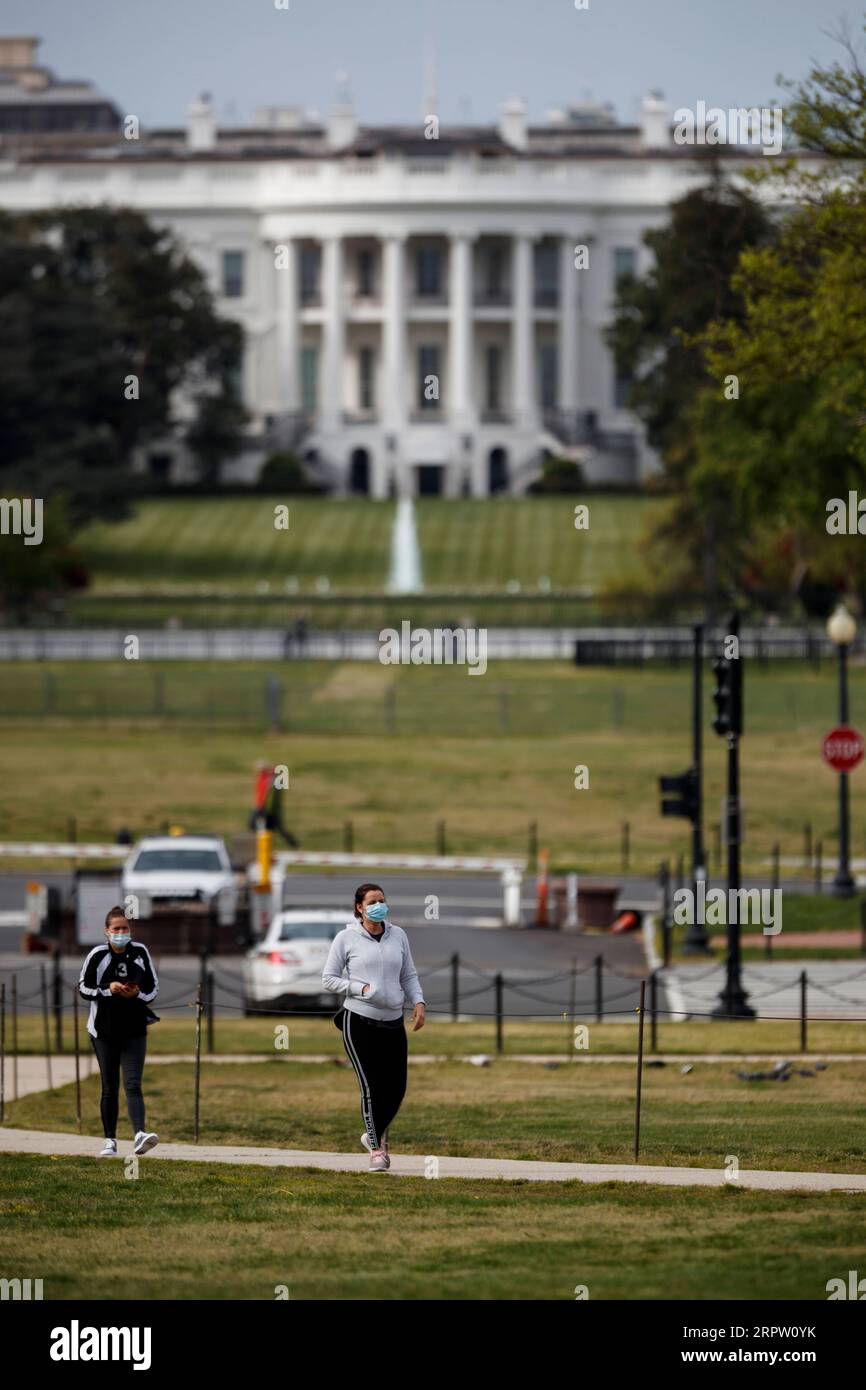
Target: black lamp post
point(842, 629)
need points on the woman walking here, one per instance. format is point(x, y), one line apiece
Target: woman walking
point(119, 981)
point(371, 964)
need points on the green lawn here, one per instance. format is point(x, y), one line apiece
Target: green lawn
point(232, 543)
point(482, 544)
point(218, 1232)
point(175, 1034)
point(398, 748)
point(222, 561)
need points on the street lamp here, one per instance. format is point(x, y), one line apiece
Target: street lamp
point(842, 629)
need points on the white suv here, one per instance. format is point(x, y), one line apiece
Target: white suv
point(177, 871)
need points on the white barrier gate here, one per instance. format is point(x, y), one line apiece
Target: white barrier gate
point(509, 870)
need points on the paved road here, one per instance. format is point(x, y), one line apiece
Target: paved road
point(30, 1141)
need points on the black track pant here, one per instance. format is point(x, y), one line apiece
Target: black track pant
point(111, 1057)
point(380, 1058)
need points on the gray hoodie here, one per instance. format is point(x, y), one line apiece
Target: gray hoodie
point(356, 959)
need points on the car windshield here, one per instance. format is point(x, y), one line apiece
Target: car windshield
point(309, 931)
point(152, 861)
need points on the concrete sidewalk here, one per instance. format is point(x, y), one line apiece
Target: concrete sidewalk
point(31, 1141)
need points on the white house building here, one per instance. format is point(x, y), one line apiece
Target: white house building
point(424, 307)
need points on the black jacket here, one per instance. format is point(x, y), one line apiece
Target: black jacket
point(111, 1016)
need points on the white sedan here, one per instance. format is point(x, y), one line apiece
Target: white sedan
point(285, 969)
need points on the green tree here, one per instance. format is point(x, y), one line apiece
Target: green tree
point(90, 298)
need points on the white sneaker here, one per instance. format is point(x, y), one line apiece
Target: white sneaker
point(384, 1149)
point(379, 1161)
point(109, 1149)
point(144, 1141)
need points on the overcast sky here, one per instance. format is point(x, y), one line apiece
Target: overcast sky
point(152, 56)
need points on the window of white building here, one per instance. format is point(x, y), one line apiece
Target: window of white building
point(428, 272)
point(366, 378)
point(232, 274)
point(429, 358)
point(309, 380)
point(365, 273)
point(546, 274)
point(493, 377)
point(311, 261)
point(624, 262)
point(547, 366)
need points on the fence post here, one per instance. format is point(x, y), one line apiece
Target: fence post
point(653, 1013)
point(455, 987)
point(2, 1051)
point(639, 1069)
point(532, 848)
point(14, 1037)
point(802, 1011)
point(599, 989)
point(665, 885)
point(616, 710)
point(807, 846)
point(503, 708)
point(198, 1010)
point(76, 1046)
point(819, 868)
point(273, 701)
point(498, 986)
point(57, 1001)
point(572, 1005)
point(441, 847)
point(862, 928)
point(45, 1029)
point(211, 990)
point(775, 866)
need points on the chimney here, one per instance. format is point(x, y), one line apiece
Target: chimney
point(655, 122)
point(201, 124)
point(18, 52)
point(342, 126)
point(512, 124)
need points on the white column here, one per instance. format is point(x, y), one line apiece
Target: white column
point(460, 396)
point(394, 338)
point(523, 333)
point(567, 345)
point(333, 332)
point(285, 255)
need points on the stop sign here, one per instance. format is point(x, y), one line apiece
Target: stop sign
point(843, 748)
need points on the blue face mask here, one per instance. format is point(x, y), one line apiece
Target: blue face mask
point(377, 912)
point(120, 938)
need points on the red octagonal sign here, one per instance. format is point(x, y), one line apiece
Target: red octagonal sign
point(843, 748)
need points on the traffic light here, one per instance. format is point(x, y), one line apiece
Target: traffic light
point(686, 791)
point(728, 696)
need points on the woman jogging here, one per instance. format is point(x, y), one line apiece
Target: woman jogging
point(371, 964)
point(119, 981)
